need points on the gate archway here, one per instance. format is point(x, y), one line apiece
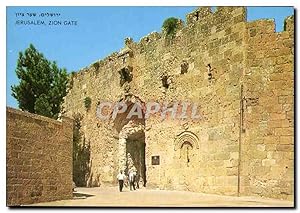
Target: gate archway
point(131, 143)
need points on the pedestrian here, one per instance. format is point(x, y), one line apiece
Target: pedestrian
point(74, 186)
point(121, 178)
point(137, 180)
point(132, 179)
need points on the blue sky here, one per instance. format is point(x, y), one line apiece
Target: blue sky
point(99, 32)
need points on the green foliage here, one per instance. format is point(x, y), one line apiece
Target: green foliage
point(71, 79)
point(42, 106)
point(81, 154)
point(87, 103)
point(170, 26)
point(42, 84)
point(96, 65)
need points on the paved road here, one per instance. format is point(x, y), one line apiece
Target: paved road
point(110, 196)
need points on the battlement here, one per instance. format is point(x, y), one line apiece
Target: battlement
point(289, 24)
point(204, 15)
point(203, 20)
point(261, 26)
point(266, 29)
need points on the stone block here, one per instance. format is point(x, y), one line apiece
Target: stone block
point(234, 155)
point(261, 147)
point(222, 156)
point(256, 154)
point(285, 147)
point(232, 171)
point(277, 116)
point(286, 140)
point(268, 162)
point(287, 131)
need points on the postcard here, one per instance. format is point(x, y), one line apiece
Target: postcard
point(150, 106)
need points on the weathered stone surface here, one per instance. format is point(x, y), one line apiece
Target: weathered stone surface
point(38, 158)
point(240, 73)
point(271, 81)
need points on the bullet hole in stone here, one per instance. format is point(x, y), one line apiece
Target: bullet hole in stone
point(209, 72)
point(254, 101)
point(125, 75)
point(184, 67)
point(196, 16)
point(165, 82)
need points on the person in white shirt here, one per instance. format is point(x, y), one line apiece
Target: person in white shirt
point(132, 176)
point(121, 178)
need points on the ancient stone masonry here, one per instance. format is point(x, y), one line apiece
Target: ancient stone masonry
point(267, 160)
point(241, 76)
point(39, 158)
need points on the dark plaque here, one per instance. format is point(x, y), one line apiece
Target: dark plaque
point(155, 160)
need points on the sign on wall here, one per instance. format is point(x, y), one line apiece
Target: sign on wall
point(155, 160)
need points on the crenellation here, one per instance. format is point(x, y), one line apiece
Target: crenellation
point(198, 15)
point(289, 24)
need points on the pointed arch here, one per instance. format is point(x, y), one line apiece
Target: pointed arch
point(186, 136)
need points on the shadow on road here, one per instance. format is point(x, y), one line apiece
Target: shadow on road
point(77, 195)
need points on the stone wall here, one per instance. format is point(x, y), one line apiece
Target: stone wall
point(206, 63)
point(268, 129)
point(38, 158)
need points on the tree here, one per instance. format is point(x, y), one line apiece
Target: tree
point(42, 85)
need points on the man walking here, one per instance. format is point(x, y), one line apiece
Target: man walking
point(137, 180)
point(132, 179)
point(121, 178)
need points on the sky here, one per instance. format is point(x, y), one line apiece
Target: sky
point(99, 32)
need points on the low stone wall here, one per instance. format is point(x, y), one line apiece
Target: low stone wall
point(38, 158)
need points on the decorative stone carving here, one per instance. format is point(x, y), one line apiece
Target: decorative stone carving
point(186, 136)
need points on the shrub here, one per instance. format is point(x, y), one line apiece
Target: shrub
point(170, 26)
point(87, 103)
point(71, 80)
point(96, 66)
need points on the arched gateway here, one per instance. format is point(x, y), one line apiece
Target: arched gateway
point(131, 143)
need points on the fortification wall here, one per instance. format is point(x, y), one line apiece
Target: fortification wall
point(211, 43)
point(38, 158)
point(215, 40)
point(268, 140)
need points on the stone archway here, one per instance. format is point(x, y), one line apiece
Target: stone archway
point(131, 143)
point(132, 149)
